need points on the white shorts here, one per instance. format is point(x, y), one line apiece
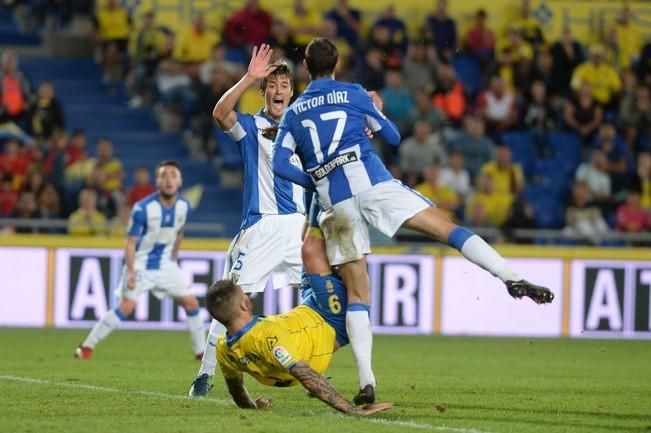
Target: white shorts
point(269, 248)
point(386, 206)
point(170, 280)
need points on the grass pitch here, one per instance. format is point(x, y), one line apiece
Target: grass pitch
point(137, 383)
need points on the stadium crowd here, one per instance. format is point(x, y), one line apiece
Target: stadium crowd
point(502, 128)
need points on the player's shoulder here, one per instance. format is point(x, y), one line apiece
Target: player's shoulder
point(142, 204)
point(183, 201)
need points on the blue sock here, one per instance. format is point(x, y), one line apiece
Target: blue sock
point(120, 314)
point(459, 236)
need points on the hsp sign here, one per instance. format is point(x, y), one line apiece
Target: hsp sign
point(610, 299)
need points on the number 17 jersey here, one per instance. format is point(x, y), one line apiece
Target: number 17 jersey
point(326, 127)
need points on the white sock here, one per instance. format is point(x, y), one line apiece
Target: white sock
point(197, 330)
point(102, 329)
point(480, 253)
point(209, 360)
point(358, 326)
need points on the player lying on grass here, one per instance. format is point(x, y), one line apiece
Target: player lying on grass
point(286, 349)
point(325, 127)
point(153, 240)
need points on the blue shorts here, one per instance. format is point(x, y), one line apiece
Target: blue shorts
point(327, 296)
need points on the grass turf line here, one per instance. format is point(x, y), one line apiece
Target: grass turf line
point(456, 385)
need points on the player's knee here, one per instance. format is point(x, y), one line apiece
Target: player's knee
point(189, 303)
point(314, 256)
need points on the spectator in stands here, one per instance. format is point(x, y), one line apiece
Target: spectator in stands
point(583, 115)
point(568, 54)
point(147, 48)
point(635, 118)
point(539, 117)
point(398, 102)
point(34, 181)
point(631, 216)
point(392, 53)
point(628, 37)
point(520, 49)
point(419, 66)
point(305, 23)
point(498, 106)
point(111, 33)
point(449, 96)
point(142, 186)
point(456, 177)
point(330, 31)
point(442, 30)
point(595, 176)
point(480, 41)
point(87, 220)
point(49, 202)
point(349, 22)
point(177, 89)
point(641, 179)
point(54, 160)
point(79, 172)
point(76, 149)
point(14, 161)
point(398, 32)
point(531, 30)
point(283, 42)
point(370, 72)
point(26, 209)
point(425, 112)
point(617, 155)
point(603, 78)
point(507, 176)
point(47, 113)
point(250, 26)
point(511, 72)
point(487, 205)
point(582, 218)
point(15, 89)
point(219, 61)
point(8, 195)
point(109, 165)
point(119, 223)
point(643, 68)
point(475, 147)
point(419, 151)
point(105, 201)
point(443, 196)
point(521, 217)
point(221, 81)
point(543, 70)
point(195, 43)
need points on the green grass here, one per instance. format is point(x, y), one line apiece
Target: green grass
point(462, 385)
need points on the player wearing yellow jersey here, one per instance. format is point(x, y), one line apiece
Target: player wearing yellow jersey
point(291, 348)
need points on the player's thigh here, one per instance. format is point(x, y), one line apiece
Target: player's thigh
point(289, 271)
point(144, 282)
point(432, 222)
point(388, 205)
point(345, 231)
point(171, 281)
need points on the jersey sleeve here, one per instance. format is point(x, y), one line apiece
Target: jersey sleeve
point(244, 126)
point(376, 120)
point(227, 365)
point(279, 349)
point(284, 147)
point(137, 221)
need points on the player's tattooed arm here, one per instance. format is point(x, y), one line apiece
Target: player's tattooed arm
point(318, 385)
point(239, 393)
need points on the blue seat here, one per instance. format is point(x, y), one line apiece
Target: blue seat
point(522, 150)
point(548, 213)
point(228, 150)
point(468, 73)
point(566, 150)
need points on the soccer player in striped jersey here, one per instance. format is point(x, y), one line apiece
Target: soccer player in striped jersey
point(269, 243)
point(154, 237)
point(325, 126)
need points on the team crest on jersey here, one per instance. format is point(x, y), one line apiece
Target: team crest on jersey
point(282, 355)
point(235, 277)
point(329, 286)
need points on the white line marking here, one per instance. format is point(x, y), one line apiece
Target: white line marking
point(167, 396)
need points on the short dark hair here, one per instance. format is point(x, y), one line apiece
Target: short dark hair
point(282, 70)
point(168, 163)
point(321, 56)
point(221, 301)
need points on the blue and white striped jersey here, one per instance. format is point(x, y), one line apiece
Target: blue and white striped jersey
point(157, 228)
point(264, 192)
point(326, 128)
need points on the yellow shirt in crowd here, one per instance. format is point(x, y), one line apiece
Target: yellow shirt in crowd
point(603, 79)
point(502, 178)
point(438, 194)
point(194, 47)
point(496, 206)
point(80, 224)
point(311, 19)
point(113, 24)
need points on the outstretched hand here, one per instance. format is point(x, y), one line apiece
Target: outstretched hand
point(259, 65)
point(263, 403)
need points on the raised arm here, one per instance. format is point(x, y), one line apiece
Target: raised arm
point(224, 113)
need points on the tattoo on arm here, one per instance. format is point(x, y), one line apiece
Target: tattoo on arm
point(239, 393)
point(320, 387)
